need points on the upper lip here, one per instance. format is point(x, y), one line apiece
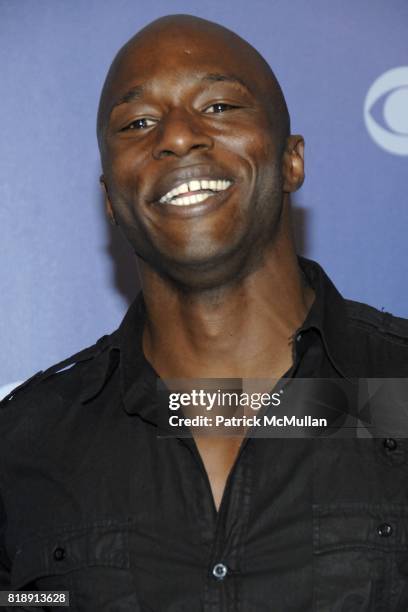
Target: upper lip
point(178, 176)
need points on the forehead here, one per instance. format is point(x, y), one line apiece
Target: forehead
point(180, 53)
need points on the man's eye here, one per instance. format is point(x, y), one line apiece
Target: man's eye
point(139, 124)
point(219, 107)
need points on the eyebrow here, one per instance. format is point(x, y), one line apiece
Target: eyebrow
point(230, 78)
point(132, 94)
point(135, 93)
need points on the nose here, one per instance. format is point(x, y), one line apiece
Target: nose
point(179, 133)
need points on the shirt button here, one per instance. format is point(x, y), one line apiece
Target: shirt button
point(390, 444)
point(384, 530)
point(59, 554)
point(298, 337)
point(220, 571)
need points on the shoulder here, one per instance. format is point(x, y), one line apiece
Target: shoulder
point(378, 341)
point(61, 382)
point(386, 326)
point(42, 417)
point(44, 421)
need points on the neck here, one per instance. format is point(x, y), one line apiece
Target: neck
point(232, 331)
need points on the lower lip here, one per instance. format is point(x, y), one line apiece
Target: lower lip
point(212, 203)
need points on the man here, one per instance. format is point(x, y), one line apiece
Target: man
point(198, 166)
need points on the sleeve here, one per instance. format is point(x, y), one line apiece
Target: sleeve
point(5, 566)
point(4, 561)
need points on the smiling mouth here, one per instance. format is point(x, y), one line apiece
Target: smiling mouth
point(194, 192)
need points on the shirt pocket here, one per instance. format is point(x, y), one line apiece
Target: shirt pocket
point(91, 562)
point(360, 558)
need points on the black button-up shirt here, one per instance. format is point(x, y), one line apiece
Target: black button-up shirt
point(93, 501)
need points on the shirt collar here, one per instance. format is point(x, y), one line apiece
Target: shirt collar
point(327, 315)
point(138, 380)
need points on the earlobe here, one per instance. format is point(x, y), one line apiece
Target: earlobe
point(108, 204)
point(293, 169)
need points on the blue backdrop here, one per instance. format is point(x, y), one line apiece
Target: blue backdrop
point(67, 277)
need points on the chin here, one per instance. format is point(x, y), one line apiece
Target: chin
point(220, 271)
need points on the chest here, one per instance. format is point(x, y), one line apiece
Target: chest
point(218, 456)
point(291, 509)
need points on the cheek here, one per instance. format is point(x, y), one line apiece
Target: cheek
point(263, 149)
point(266, 181)
point(255, 147)
point(125, 165)
point(269, 172)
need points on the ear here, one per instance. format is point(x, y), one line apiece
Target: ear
point(293, 170)
point(108, 204)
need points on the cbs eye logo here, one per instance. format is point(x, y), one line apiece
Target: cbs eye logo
point(392, 88)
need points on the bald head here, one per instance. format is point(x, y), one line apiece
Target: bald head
point(188, 107)
point(174, 39)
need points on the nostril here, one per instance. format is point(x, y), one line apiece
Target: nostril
point(179, 138)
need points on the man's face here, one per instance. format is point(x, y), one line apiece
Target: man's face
point(191, 161)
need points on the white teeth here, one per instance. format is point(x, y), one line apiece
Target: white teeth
point(200, 197)
point(193, 199)
point(197, 185)
point(194, 185)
